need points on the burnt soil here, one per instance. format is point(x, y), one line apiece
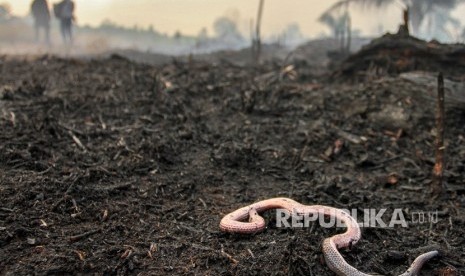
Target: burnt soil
point(114, 167)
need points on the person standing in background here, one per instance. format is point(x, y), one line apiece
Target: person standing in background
point(41, 13)
point(64, 11)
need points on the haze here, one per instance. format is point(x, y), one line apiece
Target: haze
point(190, 16)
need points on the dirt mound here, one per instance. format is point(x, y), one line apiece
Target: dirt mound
point(393, 54)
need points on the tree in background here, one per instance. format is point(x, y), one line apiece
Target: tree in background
point(438, 24)
point(202, 38)
point(419, 10)
point(338, 20)
point(422, 10)
point(203, 34)
point(292, 35)
point(226, 30)
point(5, 11)
point(177, 35)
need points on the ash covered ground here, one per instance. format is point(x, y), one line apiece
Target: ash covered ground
point(109, 166)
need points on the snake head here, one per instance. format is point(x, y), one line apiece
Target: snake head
point(253, 214)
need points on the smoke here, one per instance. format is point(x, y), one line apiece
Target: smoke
point(17, 36)
point(230, 32)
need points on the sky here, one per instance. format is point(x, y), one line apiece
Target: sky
point(190, 16)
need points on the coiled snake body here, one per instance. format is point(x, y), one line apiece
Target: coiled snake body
point(234, 223)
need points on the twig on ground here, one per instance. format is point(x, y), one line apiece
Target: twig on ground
point(13, 119)
point(351, 137)
point(438, 170)
point(77, 141)
point(84, 235)
point(73, 178)
point(203, 203)
point(224, 254)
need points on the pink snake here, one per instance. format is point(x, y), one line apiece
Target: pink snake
point(234, 223)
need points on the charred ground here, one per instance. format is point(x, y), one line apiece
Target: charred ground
point(114, 167)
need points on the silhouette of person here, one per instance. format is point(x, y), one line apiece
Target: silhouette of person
point(64, 11)
point(41, 13)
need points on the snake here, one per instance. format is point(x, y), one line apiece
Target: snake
point(247, 220)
